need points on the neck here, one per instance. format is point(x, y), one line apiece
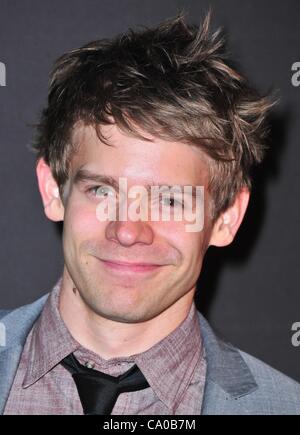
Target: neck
point(111, 339)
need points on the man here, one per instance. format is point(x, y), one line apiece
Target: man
point(119, 333)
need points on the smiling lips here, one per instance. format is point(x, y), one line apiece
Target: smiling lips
point(130, 267)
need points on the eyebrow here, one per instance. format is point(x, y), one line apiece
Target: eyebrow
point(84, 175)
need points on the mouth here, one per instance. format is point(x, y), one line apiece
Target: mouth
point(121, 266)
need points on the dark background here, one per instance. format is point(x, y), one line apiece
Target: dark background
point(249, 290)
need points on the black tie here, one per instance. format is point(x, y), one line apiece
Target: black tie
point(98, 391)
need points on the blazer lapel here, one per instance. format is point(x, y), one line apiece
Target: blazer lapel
point(226, 369)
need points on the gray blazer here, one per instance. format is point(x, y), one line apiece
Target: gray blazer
point(236, 383)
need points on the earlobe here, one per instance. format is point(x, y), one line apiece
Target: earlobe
point(228, 223)
point(49, 191)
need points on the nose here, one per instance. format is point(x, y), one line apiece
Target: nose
point(129, 232)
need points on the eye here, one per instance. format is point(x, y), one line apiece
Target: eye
point(101, 191)
point(172, 202)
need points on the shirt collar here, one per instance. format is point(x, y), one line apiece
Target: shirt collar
point(168, 365)
point(50, 341)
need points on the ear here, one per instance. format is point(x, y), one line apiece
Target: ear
point(228, 223)
point(49, 191)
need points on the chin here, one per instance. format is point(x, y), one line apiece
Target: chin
point(123, 311)
point(123, 316)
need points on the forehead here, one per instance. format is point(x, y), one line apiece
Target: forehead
point(156, 161)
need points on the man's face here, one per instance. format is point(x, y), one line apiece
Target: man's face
point(120, 293)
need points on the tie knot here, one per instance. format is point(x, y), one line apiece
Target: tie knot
point(99, 391)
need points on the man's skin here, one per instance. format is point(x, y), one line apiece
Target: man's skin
point(120, 311)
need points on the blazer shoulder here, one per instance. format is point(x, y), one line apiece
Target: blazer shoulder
point(19, 321)
point(4, 312)
point(272, 383)
point(238, 383)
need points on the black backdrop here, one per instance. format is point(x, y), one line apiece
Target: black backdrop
point(249, 290)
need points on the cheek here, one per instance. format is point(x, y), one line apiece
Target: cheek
point(81, 222)
point(193, 248)
point(193, 253)
point(189, 244)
